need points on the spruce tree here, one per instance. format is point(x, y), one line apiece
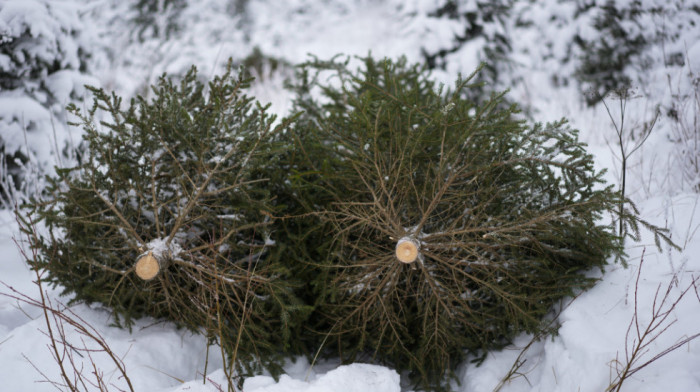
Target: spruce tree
point(168, 216)
point(444, 227)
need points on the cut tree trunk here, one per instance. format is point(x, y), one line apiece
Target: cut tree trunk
point(407, 250)
point(148, 266)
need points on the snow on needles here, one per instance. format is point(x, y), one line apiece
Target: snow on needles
point(594, 336)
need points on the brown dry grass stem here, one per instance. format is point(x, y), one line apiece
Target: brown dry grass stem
point(60, 320)
point(641, 337)
point(685, 127)
point(519, 362)
point(627, 141)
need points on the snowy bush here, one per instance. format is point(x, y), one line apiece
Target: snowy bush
point(626, 38)
point(157, 18)
point(482, 25)
point(42, 68)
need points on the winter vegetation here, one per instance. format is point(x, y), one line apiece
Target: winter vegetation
point(251, 195)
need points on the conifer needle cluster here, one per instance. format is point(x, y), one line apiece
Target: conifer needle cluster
point(451, 226)
point(168, 216)
point(389, 220)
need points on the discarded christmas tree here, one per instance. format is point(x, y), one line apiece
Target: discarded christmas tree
point(452, 226)
point(168, 215)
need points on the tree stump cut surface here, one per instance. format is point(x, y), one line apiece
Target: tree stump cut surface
point(406, 250)
point(147, 267)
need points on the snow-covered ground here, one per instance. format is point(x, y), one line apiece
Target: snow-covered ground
point(598, 332)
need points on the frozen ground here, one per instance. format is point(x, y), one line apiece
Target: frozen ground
point(595, 337)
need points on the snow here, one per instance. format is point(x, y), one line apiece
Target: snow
point(356, 377)
point(46, 45)
point(593, 334)
point(16, 109)
point(162, 248)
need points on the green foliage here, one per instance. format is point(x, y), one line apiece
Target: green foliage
point(507, 216)
point(183, 176)
point(280, 239)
